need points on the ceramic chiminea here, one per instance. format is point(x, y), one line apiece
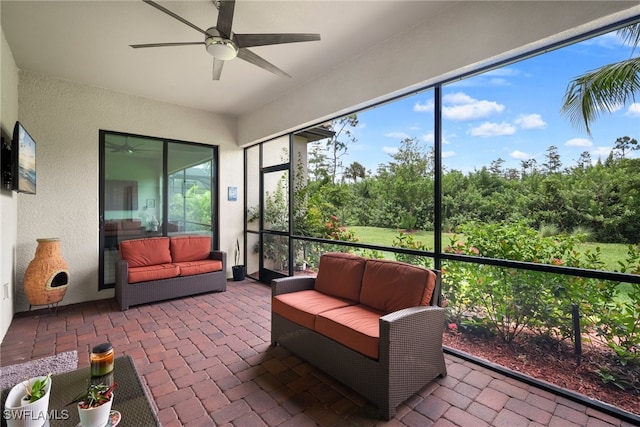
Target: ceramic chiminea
point(46, 277)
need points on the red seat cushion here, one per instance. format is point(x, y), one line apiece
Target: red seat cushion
point(148, 251)
point(190, 248)
point(190, 268)
point(301, 307)
point(390, 286)
point(355, 326)
point(340, 275)
point(152, 272)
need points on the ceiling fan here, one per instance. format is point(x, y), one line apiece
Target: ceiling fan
point(125, 148)
point(224, 45)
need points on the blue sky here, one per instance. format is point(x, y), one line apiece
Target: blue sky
point(511, 113)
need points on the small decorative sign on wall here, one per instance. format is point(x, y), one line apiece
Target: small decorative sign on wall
point(232, 194)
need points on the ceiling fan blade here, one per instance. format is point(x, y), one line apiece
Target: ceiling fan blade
point(250, 40)
point(217, 68)
point(173, 15)
point(225, 17)
point(251, 57)
point(138, 46)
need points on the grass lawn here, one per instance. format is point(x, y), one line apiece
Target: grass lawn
point(611, 253)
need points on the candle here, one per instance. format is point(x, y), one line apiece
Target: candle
point(101, 359)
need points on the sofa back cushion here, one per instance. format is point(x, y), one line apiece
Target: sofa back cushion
point(389, 286)
point(149, 251)
point(190, 248)
point(340, 275)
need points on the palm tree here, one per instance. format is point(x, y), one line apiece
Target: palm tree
point(605, 88)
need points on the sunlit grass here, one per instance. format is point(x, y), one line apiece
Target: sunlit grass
point(610, 253)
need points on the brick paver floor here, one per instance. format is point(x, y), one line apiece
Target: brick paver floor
point(207, 360)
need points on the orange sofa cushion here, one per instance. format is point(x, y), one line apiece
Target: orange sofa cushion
point(152, 272)
point(303, 306)
point(390, 285)
point(190, 248)
point(340, 275)
point(144, 252)
point(190, 268)
point(355, 326)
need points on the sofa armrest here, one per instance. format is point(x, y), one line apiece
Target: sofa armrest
point(287, 285)
point(220, 256)
point(412, 333)
point(122, 272)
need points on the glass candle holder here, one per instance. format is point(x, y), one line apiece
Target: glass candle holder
point(101, 359)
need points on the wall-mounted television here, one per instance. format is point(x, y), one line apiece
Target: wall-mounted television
point(23, 151)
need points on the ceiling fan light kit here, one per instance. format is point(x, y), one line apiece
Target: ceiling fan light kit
point(221, 48)
point(223, 45)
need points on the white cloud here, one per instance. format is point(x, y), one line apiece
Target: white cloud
point(530, 121)
point(390, 150)
point(578, 142)
point(601, 152)
point(498, 81)
point(457, 98)
point(633, 110)
point(460, 106)
point(427, 107)
point(428, 137)
point(520, 155)
point(487, 129)
point(397, 135)
point(447, 154)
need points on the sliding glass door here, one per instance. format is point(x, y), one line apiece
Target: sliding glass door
point(153, 187)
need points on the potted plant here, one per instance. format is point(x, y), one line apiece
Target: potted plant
point(301, 265)
point(237, 268)
point(27, 404)
point(94, 405)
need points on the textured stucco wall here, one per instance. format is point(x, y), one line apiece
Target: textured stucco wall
point(64, 119)
point(8, 200)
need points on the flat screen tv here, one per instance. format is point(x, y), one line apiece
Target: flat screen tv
point(23, 151)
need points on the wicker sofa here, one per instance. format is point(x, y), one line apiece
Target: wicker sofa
point(159, 268)
point(371, 324)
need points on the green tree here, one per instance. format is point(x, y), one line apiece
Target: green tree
point(337, 145)
point(625, 144)
point(553, 163)
point(355, 171)
point(605, 88)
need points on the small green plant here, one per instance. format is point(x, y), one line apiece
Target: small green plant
point(609, 377)
point(94, 396)
point(237, 252)
point(36, 390)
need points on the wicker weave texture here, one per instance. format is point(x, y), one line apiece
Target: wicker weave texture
point(128, 294)
point(130, 397)
point(410, 352)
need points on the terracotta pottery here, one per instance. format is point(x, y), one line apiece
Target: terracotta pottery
point(46, 277)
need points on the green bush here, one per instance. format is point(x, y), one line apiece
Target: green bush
point(506, 301)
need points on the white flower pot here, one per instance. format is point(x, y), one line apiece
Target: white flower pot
point(20, 413)
point(95, 417)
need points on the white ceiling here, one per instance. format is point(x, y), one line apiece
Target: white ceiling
point(88, 42)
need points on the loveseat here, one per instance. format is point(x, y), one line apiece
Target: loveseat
point(158, 268)
point(372, 324)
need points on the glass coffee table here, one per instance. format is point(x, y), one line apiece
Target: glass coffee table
point(130, 399)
